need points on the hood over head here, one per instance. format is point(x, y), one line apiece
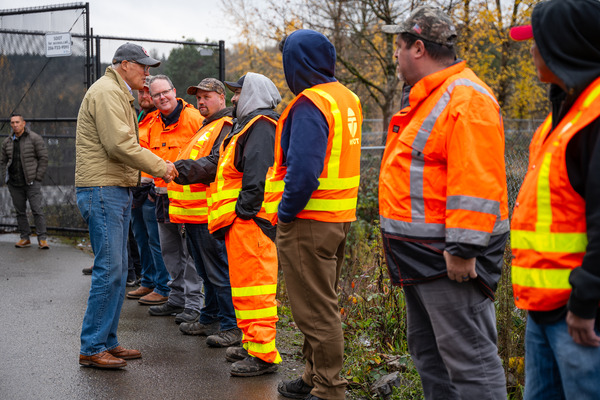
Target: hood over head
point(258, 91)
point(308, 60)
point(567, 34)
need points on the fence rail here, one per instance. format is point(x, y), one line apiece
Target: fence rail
point(59, 192)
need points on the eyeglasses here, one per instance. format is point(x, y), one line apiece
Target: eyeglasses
point(146, 67)
point(157, 96)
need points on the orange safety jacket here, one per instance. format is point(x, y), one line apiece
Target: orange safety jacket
point(548, 235)
point(166, 141)
point(224, 191)
point(188, 203)
point(442, 173)
point(144, 128)
point(335, 198)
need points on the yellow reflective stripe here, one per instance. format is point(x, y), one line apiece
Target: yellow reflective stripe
point(225, 194)
point(591, 97)
point(331, 204)
point(338, 183)
point(222, 210)
point(541, 278)
point(253, 290)
point(548, 242)
point(333, 166)
point(223, 162)
point(544, 207)
point(187, 195)
point(274, 186)
point(265, 348)
point(271, 206)
point(188, 211)
point(256, 314)
point(324, 184)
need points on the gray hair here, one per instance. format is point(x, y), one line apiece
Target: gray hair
point(157, 77)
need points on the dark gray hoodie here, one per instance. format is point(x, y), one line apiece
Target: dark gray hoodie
point(567, 34)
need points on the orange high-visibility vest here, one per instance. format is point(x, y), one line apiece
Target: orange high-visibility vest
point(442, 173)
point(224, 191)
point(144, 128)
point(188, 203)
point(548, 235)
point(166, 142)
point(335, 198)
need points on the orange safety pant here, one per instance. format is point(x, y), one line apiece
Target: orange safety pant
point(252, 260)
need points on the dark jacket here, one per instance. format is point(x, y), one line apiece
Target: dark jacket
point(204, 170)
point(308, 60)
point(254, 153)
point(566, 36)
point(34, 157)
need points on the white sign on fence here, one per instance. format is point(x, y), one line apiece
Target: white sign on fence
point(58, 44)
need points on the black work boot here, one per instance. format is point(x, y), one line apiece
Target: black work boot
point(295, 389)
point(252, 366)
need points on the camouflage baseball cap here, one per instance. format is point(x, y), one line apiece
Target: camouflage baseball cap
point(209, 85)
point(428, 23)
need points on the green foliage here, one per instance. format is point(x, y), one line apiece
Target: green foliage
point(189, 64)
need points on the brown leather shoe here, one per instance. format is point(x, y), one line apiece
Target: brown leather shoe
point(139, 292)
point(43, 244)
point(153, 299)
point(23, 243)
point(102, 360)
point(125, 354)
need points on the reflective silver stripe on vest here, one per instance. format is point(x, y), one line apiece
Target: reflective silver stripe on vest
point(413, 229)
point(418, 162)
point(501, 226)
point(417, 202)
point(470, 203)
point(438, 231)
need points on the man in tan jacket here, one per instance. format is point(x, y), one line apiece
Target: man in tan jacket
point(108, 162)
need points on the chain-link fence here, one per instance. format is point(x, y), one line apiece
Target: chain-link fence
point(48, 91)
point(58, 186)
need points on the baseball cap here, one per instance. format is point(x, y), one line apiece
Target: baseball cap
point(134, 52)
point(208, 84)
point(235, 85)
point(520, 33)
point(428, 23)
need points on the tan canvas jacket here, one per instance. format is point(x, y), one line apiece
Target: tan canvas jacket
point(107, 145)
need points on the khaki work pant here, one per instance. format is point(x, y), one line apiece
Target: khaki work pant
point(311, 254)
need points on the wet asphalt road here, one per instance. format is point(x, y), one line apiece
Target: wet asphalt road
point(44, 295)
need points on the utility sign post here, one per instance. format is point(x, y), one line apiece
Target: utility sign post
point(58, 44)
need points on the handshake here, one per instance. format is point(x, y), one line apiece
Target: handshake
point(171, 172)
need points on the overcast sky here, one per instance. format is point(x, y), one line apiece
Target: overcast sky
point(150, 19)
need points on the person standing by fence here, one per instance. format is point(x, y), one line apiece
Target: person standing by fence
point(154, 289)
point(444, 211)
point(311, 195)
point(108, 160)
point(172, 127)
point(23, 164)
point(555, 235)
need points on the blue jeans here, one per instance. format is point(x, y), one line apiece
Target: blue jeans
point(556, 367)
point(106, 210)
point(145, 230)
point(210, 257)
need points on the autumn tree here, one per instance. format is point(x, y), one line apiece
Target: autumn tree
point(505, 65)
point(365, 60)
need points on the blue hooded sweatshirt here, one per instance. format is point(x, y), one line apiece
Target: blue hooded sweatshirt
point(308, 60)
